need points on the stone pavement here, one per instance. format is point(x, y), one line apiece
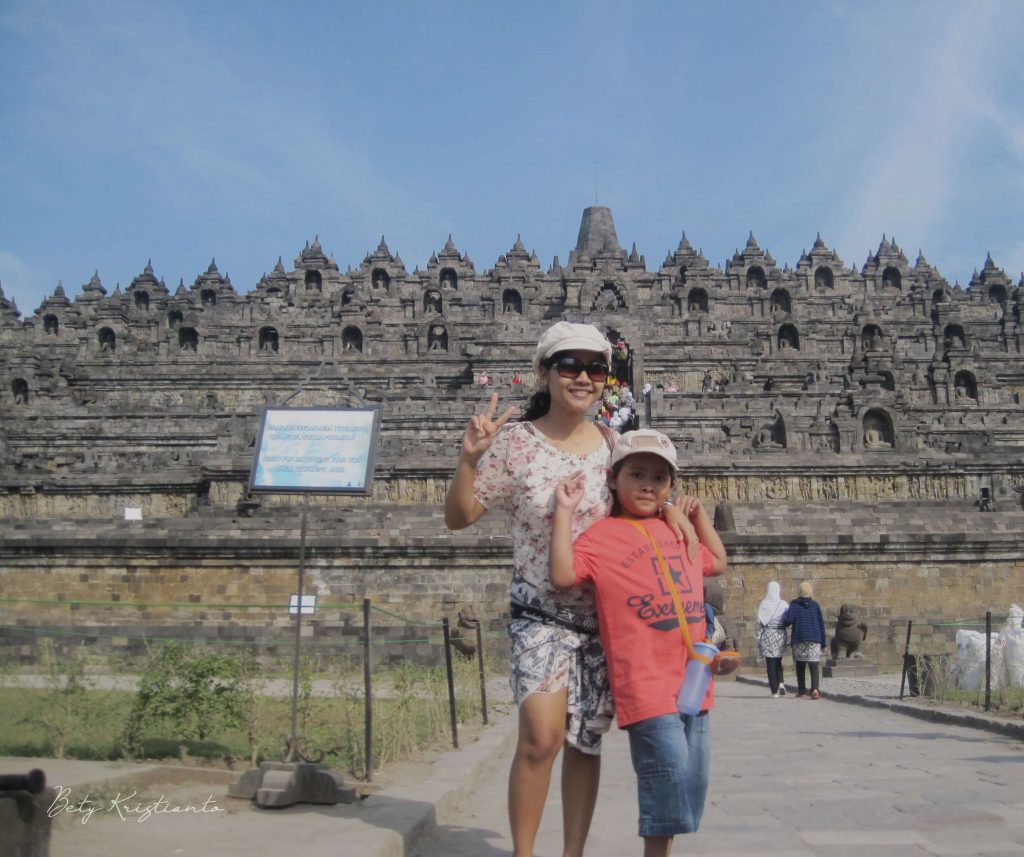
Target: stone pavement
point(789, 777)
point(799, 777)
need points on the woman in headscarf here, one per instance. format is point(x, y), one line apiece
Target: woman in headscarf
point(804, 615)
point(771, 636)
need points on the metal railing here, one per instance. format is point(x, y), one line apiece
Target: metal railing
point(372, 635)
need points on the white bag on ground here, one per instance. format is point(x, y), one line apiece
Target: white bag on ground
point(970, 661)
point(1012, 642)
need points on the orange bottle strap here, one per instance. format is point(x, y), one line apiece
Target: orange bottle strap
point(676, 600)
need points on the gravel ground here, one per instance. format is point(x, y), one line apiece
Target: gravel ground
point(885, 686)
point(880, 686)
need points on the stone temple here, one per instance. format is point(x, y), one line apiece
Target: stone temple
point(865, 436)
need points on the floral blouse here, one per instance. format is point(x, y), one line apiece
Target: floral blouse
point(520, 472)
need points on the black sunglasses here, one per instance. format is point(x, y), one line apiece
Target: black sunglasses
point(572, 367)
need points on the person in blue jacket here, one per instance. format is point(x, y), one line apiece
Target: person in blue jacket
point(804, 616)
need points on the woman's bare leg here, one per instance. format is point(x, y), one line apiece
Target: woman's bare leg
point(581, 775)
point(541, 735)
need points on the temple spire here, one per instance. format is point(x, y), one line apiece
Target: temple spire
point(597, 231)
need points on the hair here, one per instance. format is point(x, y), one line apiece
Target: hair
point(540, 402)
point(616, 508)
point(537, 405)
point(806, 589)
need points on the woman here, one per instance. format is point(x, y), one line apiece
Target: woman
point(804, 615)
point(558, 672)
point(771, 636)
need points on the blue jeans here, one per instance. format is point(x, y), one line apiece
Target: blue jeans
point(670, 756)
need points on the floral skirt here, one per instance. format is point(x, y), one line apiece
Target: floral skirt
point(549, 658)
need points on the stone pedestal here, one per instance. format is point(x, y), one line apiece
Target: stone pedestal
point(275, 784)
point(850, 668)
point(25, 822)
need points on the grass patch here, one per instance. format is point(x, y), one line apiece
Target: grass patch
point(937, 682)
point(410, 712)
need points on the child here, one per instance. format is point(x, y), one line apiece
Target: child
point(639, 625)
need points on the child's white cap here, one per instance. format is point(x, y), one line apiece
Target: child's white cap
point(644, 440)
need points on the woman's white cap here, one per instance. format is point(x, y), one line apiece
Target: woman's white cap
point(566, 336)
point(644, 440)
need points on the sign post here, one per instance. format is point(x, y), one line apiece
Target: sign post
point(307, 451)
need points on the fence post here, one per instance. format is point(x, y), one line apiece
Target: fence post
point(367, 693)
point(451, 681)
point(480, 662)
point(906, 658)
point(988, 659)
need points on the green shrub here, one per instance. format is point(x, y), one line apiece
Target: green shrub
point(187, 694)
point(63, 703)
point(218, 707)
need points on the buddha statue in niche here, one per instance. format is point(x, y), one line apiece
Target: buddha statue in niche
point(874, 439)
point(437, 338)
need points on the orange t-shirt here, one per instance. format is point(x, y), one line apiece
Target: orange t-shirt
point(639, 628)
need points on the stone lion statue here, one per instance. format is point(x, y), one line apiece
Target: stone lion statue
point(849, 634)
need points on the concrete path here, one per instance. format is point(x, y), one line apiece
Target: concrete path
point(798, 777)
point(789, 777)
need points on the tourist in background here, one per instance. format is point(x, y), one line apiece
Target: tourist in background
point(771, 636)
point(559, 676)
point(804, 616)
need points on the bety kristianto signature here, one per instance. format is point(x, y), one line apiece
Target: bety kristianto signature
point(126, 807)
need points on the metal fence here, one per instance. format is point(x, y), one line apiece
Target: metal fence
point(378, 639)
point(979, 660)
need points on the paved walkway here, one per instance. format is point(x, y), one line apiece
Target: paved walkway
point(789, 777)
point(799, 777)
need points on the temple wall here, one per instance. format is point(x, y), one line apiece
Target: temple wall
point(230, 586)
point(110, 505)
point(849, 404)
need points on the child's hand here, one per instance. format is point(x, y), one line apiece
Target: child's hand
point(681, 527)
point(570, 491)
point(725, 664)
point(689, 506)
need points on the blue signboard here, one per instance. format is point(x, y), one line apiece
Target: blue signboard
point(315, 450)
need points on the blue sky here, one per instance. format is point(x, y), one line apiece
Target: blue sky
point(183, 131)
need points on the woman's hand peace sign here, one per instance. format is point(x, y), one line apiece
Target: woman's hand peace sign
point(482, 428)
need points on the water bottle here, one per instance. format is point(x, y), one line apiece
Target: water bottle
point(695, 682)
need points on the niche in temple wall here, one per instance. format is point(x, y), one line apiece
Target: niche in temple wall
point(878, 431)
point(511, 302)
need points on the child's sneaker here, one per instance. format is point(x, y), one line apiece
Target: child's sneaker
point(775, 695)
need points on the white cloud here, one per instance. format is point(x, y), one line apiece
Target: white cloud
point(918, 165)
point(913, 155)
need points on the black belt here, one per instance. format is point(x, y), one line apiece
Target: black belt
point(562, 618)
